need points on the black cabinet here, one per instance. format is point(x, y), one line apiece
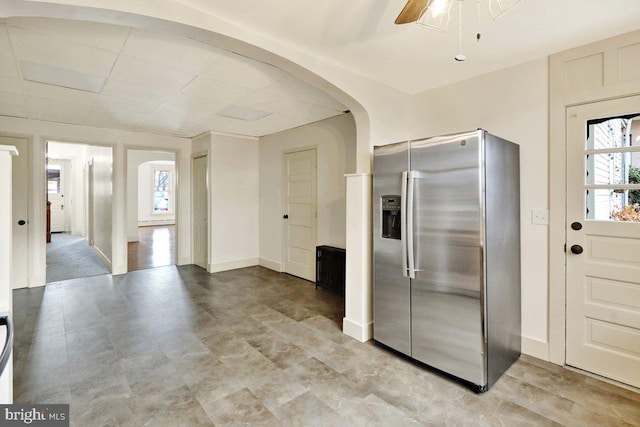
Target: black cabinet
point(330, 268)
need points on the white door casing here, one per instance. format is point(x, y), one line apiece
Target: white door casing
point(300, 205)
point(90, 217)
point(56, 197)
point(20, 202)
point(200, 212)
point(603, 282)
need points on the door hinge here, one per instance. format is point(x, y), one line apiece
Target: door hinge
point(565, 248)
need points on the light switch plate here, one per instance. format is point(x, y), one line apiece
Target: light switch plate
point(540, 217)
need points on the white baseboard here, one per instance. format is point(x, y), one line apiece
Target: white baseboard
point(535, 348)
point(271, 265)
point(357, 331)
point(102, 256)
point(184, 261)
point(156, 222)
point(233, 265)
point(37, 281)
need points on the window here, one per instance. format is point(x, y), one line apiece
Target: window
point(53, 179)
point(162, 202)
point(612, 170)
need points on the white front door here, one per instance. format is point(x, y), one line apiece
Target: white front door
point(20, 200)
point(55, 194)
point(300, 214)
point(200, 212)
point(603, 239)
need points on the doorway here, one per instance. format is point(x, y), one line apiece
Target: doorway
point(151, 209)
point(300, 206)
point(603, 239)
point(57, 170)
point(79, 191)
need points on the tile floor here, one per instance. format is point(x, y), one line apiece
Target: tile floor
point(179, 347)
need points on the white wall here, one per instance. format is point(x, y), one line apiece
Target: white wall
point(233, 190)
point(513, 104)
point(335, 141)
point(102, 159)
point(234, 202)
point(134, 159)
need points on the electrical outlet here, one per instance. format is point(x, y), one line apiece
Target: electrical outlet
point(540, 217)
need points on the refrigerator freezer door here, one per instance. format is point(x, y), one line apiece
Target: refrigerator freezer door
point(391, 315)
point(447, 293)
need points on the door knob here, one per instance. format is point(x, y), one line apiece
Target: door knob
point(576, 226)
point(285, 216)
point(576, 249)
point(22, 222)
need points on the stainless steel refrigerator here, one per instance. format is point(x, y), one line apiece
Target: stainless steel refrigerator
point(446, 237)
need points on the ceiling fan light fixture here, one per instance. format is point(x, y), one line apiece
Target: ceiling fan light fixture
point(499, 8)
point(438, 7)
point(437, 14)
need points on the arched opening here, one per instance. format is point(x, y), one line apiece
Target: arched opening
point(357, 269)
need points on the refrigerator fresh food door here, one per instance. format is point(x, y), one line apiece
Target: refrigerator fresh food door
point(392, 298)
point(447, 292)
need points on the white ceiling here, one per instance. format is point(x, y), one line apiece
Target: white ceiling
point(139, 80)
point(166, 84)
point(360, 35)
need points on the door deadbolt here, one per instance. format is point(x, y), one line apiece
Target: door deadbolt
point(576, 249)
point(576, 226)
point(22, 222)
point(285, 216)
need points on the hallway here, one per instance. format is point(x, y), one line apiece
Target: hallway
point(71, 257)
point(179, 346)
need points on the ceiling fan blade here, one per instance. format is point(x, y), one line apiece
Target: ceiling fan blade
point(412, 11)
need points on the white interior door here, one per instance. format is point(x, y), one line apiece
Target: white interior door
point(55, 194)
point(200, 212)
point(19, 188)
point(603, 239)
point(300, 213)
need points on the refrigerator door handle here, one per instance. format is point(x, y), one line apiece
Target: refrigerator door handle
point(403, 222)
point(409, 227)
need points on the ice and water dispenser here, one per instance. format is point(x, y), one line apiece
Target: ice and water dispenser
point(391, 217)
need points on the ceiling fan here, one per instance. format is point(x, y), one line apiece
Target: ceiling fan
point(438, 14)
point(415, 9)
point(412, 11)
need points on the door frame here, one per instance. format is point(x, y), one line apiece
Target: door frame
point(283, 201)
point(558, 235)
point(195, 156)
point(600, 59)
point(176, 193)
point(582, 271)
point(89, 203)
point(88, 208)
